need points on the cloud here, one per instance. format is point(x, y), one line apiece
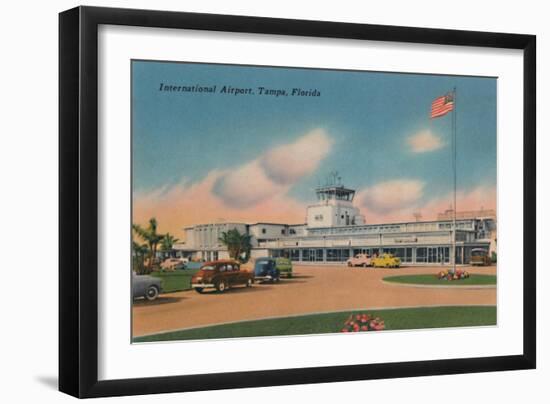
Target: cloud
point(467, 200)
point(288, 163)
point(246, 186)
point(480, 197)
point(424, 142)
point(273, 172)
point(254, 191)
point(389, 196)
point(187, 204)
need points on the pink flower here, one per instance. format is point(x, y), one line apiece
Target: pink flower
point(379, 326)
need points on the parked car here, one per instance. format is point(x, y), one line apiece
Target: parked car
point(265, 269)
point(360, 260)
point(284, 266)
point(171, 264)
point(146, 286)
point(386, 261)
point(221, 275)
point(480, 257)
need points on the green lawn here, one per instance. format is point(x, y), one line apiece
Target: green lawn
point(474, 279)
point(175, 281)
point(395, 319)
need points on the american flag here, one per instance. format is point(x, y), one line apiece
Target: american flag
point(442, 105)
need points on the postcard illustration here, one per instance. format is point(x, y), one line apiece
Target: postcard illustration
point(270, 201)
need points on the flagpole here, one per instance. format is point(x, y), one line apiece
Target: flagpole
point(454, 182)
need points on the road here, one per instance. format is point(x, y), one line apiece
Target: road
point(313, 289)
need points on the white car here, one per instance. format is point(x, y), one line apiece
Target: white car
point(171, 264)
point(360, 260)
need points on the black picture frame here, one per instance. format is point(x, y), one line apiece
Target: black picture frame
point(78, 200)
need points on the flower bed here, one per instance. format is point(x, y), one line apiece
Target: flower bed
point(448, 275)
point(363, 322)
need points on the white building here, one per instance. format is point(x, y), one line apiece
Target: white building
point(336, 230)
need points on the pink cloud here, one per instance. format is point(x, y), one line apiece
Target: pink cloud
point(246, 186)
point(424, 141)
point(274, 172)
point(391, 196)
point(288, 163)
point(254, 191)
point(475, 199)
point(185, 205)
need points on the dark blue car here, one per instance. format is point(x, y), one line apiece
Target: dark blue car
point(265, 269)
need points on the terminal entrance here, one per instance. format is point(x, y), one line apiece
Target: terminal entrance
point(432, 255)
point(312, 254)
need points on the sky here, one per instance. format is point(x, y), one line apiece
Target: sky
point(202, 157)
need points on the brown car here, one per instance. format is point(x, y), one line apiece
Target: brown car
point(220, 275)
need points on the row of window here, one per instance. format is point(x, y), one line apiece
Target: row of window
point(431, 255)
point(283, 231)
point(393, 228)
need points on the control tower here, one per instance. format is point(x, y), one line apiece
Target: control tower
point(334, 205)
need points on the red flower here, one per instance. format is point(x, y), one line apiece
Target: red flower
point(363, 322)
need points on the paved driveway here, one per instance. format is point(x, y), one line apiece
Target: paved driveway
point(313, 289)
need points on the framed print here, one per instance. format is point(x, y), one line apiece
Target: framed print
point(250, 201)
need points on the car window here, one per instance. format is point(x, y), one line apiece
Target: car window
point(207, 268)
point(229, 267)
point(222, 268)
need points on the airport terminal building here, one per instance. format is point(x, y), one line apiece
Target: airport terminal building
point(335, 230)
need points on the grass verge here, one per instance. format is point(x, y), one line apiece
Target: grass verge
point(474, 279)
point(395, 319)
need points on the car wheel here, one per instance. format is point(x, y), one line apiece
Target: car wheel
point(221, 286)
point(151, 293)
point(349, 264)
point(199, 290)
point(249, 283)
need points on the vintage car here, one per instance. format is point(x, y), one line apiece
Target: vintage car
point(386, 261)
point(171, 264)
point(360, 260)
point(480, 257)
point(220, 275)
point(284, 266)
point(265, 269)
point(146, 286)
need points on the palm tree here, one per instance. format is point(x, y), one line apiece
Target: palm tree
point(151, 237)
point(139, 253)
point(237, 244)
point(167, 244)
